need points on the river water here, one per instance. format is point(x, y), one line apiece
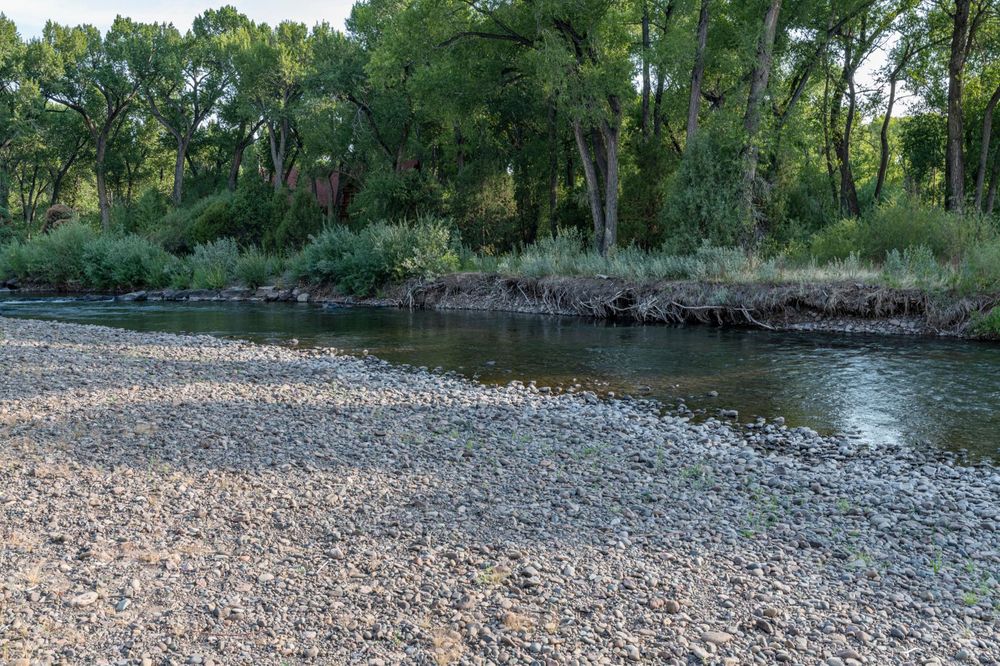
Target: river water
point(921, 392)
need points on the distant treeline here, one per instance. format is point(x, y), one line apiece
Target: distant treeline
point(659, 123)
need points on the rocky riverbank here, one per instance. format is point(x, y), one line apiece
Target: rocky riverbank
point(833, 307)
point(168, 499)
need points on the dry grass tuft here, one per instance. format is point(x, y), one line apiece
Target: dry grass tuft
point(446, 646)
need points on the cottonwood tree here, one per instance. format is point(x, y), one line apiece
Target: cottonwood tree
point(90, 74)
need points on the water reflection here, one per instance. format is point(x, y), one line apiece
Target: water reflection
point(946, 393)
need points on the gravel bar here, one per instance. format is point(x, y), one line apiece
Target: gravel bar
point(189, 500)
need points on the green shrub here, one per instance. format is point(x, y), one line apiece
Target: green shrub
point(255, 268)
point(175, 231)
point(124, 262)
point(363, 261)
point(388, 195)
point(561, 254)
point(178, 273)
point(836, 241)
point(987, 325)
point(907, 224)
point(55, 258)
point(256, 211)
point(214, 221)
point(913, 267)
point(303, 219)
point(704, 201)
point(980, 269)
point(213, 264)
point(720, 263)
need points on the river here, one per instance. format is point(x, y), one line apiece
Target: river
point(920, 392)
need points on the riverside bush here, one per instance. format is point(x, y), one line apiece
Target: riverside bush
point(255, 268)
point(213, 265)
point(363, 261)
point(124, 262)
point(898, 226)
point(74, 255)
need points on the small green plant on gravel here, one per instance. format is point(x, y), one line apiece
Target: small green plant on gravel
point(843, 505)
point(698, 476)
point(970, 598)
point(937, 562)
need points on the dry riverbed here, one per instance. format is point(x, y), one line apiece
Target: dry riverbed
point(173, 500)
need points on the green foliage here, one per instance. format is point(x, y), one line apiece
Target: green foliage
point(214, 220)
point(980, 269)
point(255, 268)
point(255, 211)
point(74, 255)
point(704, 198)
point(303, 219)
point(987, 325)
point(361, 262)
point(396, 196)
point(213, 264)
point(913, 267)
point(899, 226)
point(123, 262)
point(56, 258)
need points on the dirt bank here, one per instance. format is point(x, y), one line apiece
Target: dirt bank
point(829, 307)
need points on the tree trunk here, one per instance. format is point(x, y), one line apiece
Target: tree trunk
point(984, 147)
point(883, 161)
point(954, 155)
point(277, 138)
point(697, 73)
point(842, 144)
point(593, 188)
point(459, 148)
point(991, 197)
point(611, 140)
point(553, 163)
point(658, 106)
point(102, 185)
point(644, 121)
point(234, 166)
point(182, 145)
point(758, 86)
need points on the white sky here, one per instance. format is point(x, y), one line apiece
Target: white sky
point(31, 15)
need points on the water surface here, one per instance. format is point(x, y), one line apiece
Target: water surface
point(921, 392)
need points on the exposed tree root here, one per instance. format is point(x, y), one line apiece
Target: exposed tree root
point(757, 305)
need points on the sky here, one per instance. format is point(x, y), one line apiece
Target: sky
point(30, 15)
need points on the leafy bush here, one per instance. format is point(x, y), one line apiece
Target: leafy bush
point(362, 261)
point(388, 195)
point(980, 269)
point(175, 232)
point(74, 255)
point(553, 255)
point(913, 267)
point(214, 221)
point(256, 210)
point(54, 259)
point(836, 241)
point(124, 262)
point(987, 325)
point(255, 268)
point(213, 265)
point(303, 219)
point(704, 198)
